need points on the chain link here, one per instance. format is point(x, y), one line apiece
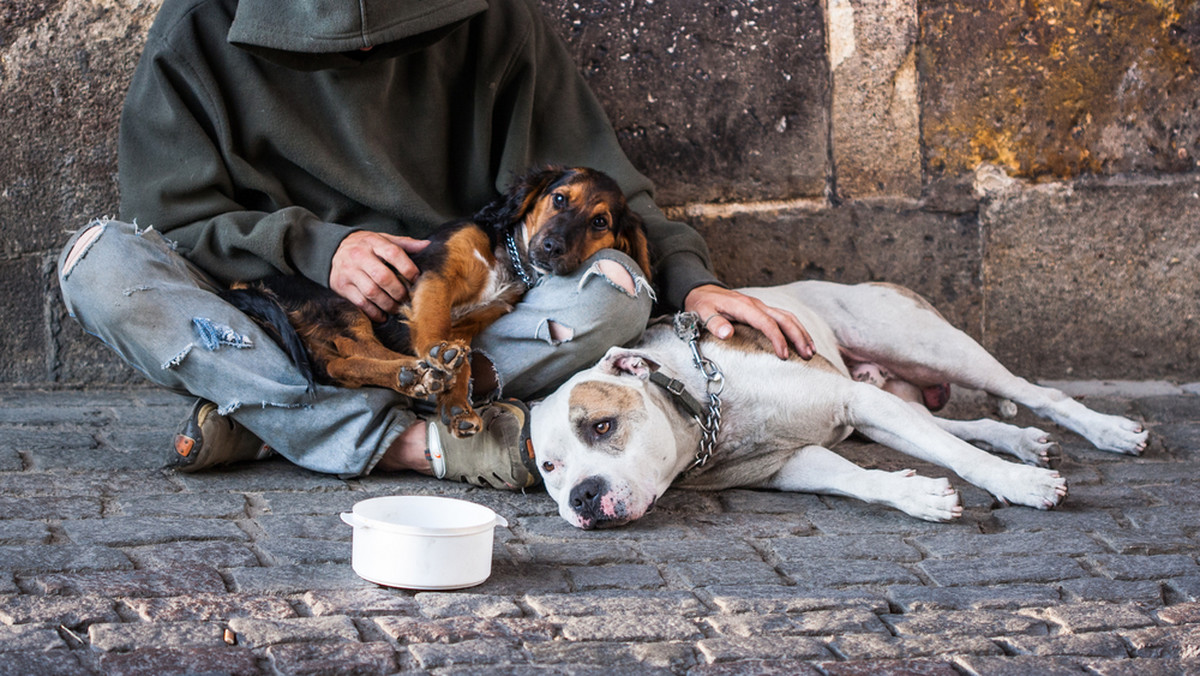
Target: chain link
point(687, 327)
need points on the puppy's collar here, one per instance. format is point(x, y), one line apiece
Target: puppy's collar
point(518, 265)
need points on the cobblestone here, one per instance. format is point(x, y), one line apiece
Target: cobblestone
point(125, 568)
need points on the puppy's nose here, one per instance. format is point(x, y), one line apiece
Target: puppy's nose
point(585, 498)
point(554, 247)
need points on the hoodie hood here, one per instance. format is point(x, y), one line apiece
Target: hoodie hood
point(304, 27)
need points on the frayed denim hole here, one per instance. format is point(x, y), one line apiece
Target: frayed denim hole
point(175, 361)
point(496, 375)
point(631, 284)
point(90, 233)
point(214, 335)
point(553, 333)
point(134, 289)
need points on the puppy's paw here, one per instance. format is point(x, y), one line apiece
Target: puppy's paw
point(462, 421)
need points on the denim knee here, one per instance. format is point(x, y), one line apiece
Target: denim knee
point(614, 302)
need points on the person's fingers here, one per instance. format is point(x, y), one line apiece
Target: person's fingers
point(794, 330)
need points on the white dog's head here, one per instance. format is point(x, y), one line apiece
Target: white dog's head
point(608, 442)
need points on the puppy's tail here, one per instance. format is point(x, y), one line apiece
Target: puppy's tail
point(261, 306)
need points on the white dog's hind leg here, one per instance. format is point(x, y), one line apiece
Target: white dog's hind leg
point(1027, 444)
point(892, 422)
point(815, 469)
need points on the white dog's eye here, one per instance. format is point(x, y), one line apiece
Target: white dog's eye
point(549, 466)
point(602, 428)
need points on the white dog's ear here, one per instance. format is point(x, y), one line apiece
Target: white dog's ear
point(621, 361)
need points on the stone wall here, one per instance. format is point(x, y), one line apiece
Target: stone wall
point(1028, 166)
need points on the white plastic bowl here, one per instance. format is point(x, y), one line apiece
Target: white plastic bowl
point(422, 542)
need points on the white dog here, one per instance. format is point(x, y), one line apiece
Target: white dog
point(612, 439)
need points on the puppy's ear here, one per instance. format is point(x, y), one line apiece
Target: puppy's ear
point(631, 239)
point(620, 361)
point(518, 200)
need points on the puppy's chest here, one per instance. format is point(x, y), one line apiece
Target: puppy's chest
point(500, 286)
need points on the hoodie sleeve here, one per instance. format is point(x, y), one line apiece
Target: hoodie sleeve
point(174, 177)
point(557, 119)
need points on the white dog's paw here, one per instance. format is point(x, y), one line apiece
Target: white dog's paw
point(1030, 486)
point(926, 498)
point(1118, 435)
point(1033, 446)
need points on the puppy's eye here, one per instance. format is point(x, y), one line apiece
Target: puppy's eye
point(599, 223)
point(549, 466)
point(560, 200)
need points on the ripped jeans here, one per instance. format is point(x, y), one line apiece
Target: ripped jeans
point(162, 315)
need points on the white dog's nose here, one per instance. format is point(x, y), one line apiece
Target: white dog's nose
point(585, 500)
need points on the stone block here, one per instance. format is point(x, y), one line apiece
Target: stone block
point(1051, 266)
point(360, 602)
point(295, 579)
point(921, 667)
point(881, 647)
point(1164, 642)
point(714, 548)
point(48, 663)
point(53, 558)
point(1092, 645)
point(875, 107)
point(235, 661)
point(1081, 618)
point(887, 547)
point(780, 599)
point(1135, 567)
point(1061, 88)
point(472, 654)
point(639, 657)
point(623, 575)
point(142, 530)
point(1145, 592)
point(287, 551)
point(935, 254)
point(951, 545)
point(208, 607)
point(821, 573)
point(361, 659)
point(703, 574)
point(913, 598)
point(444, 605)
point(652, 66)
point(124, 637)
point(407, 630)
point(1006, 570)
point(23, 352)
point(622, 628)
point(26, 637)
point(1021, 665)
point(68, 611)
point(616, 601)
point(221, 554)
point(256, 632)
point(989, 623)
point(716, 650)
point(178, 581)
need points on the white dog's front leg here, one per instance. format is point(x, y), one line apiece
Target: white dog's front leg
point(815, 469)
point(892, 422)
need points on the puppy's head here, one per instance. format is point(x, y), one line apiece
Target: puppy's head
point(608, 442)
point(569, 215)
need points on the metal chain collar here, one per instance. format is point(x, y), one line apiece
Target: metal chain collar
point(515, 255)
point(687, 326)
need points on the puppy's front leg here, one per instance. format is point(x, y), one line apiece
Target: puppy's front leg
point(890, 421)
point(815, 469)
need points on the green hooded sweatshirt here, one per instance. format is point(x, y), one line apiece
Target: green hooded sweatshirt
point(258, 134)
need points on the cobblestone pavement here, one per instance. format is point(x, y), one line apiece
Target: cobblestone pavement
point(109, 564)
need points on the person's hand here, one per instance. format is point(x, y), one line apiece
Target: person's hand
point(716, 306)
point(373, 271)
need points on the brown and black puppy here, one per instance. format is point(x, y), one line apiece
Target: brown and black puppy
point(549, 222)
